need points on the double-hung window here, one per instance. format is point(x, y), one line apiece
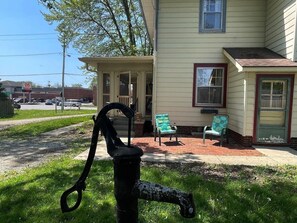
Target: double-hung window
point(209, 85)
point(212, 16)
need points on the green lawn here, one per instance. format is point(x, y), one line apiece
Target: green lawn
point(27, 114)
point(222, 194)
point(230, 194)
point(35, 129)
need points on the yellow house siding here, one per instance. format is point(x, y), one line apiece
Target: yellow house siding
point(235, 100)
point(250, 79)
point(180, 45)
point(281, 27)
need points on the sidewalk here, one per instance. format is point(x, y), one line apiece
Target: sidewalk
point(19, 153)
point(271, 156)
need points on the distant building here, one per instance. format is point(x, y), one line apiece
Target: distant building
point(11, 87)
point(14, 90)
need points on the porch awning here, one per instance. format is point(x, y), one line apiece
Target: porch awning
point(94, 61)
point(259, 60)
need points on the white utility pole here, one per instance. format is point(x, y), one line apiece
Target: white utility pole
point(63, 74)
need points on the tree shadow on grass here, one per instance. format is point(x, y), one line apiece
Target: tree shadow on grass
point(35, 196)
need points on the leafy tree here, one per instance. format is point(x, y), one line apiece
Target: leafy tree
point(92, 81)
point(100, 27)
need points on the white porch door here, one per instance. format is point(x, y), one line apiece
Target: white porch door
point(273, 110)
point(127, 88)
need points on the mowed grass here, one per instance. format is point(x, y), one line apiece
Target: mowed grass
point(258, 194)
point(35, 129)
point(230, 194)
point(28, 114)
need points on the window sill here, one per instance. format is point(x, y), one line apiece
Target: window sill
point(211, 31)
point(209, 111)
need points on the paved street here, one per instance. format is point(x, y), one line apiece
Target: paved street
point(42, 106)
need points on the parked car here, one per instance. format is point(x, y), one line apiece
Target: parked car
point(40, 100)
point(56, 101)
point(72, 103)
point(16, 105)
point(48, 102)
point(84, 100)
point(20, 100)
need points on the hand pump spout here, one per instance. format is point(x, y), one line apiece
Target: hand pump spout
point(156, 192)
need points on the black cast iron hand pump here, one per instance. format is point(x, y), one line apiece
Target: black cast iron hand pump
point(127, 184)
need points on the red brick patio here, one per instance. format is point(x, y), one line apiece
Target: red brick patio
point(193, 145)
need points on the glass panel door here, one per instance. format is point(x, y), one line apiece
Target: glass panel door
point(106, 89)
point(273, 110)
point(128, 89)
point(125, 88)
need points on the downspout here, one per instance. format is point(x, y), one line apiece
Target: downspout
point(245, 104)
point(155, 65)
point(294, 57)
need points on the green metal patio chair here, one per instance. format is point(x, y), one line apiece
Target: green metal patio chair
point(163, 127)
point(218, 128)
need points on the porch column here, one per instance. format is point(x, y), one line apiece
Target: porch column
point(112, 76)
point(99, 89)
point(142, 88)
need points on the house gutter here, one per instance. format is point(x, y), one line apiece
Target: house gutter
point(269, 69)
point(155, 61)
point(295, 39)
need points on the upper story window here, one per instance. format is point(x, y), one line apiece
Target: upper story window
point(212, 16)
point(209, 85)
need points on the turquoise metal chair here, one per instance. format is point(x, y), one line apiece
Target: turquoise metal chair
point(164, 127)
point(218, 128)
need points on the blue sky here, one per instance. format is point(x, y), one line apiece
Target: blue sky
point(24, 17)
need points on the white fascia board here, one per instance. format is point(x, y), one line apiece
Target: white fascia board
point(231, 59)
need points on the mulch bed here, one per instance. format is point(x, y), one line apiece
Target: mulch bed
point(193, 145)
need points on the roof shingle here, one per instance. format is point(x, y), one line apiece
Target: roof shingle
point(258, 57)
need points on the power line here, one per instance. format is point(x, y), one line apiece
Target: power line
point(27, 39)
point(45, 34)
point(46, 74)
point(71, 74)
point(21, 75)
point(29, 34)
point(28, 55)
